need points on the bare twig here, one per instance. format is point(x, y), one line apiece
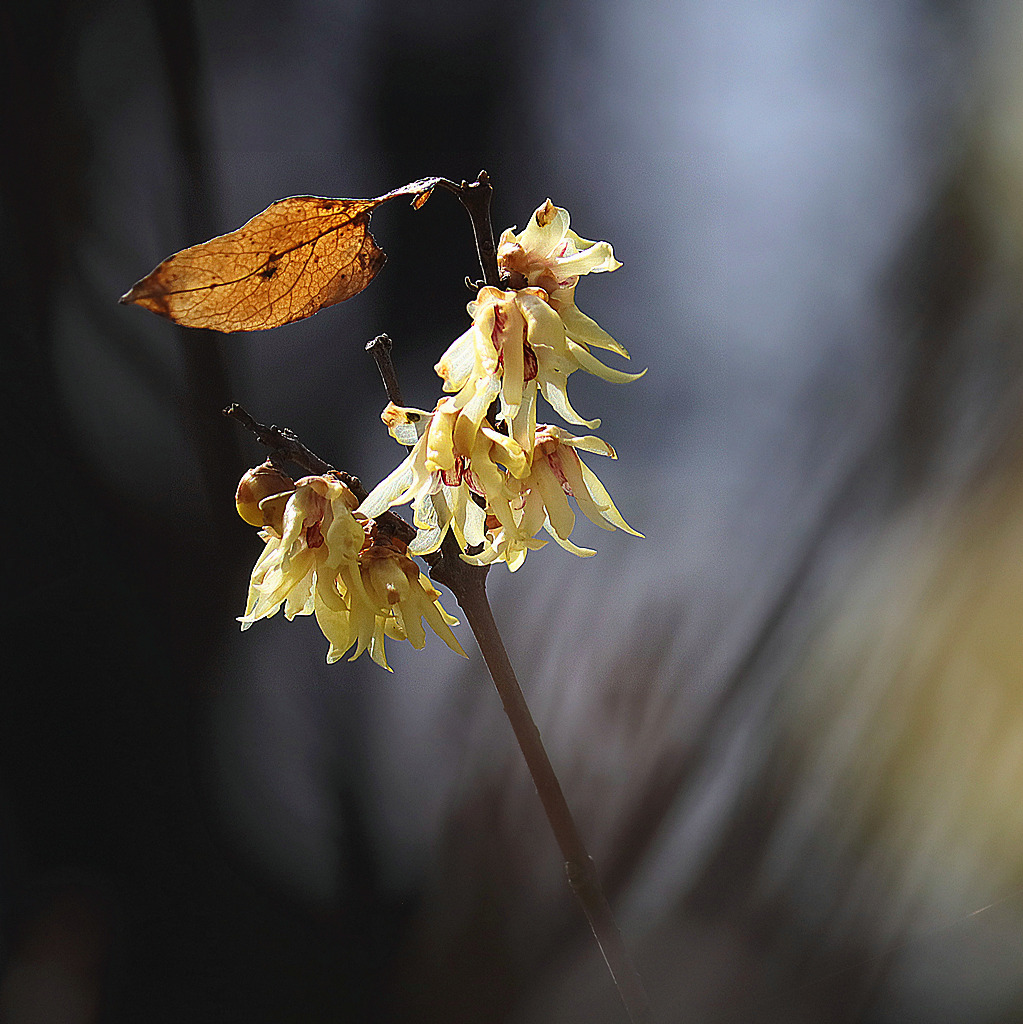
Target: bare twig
point(380, 349)
point(468, 584)
point(284, 444)
point(475, 197)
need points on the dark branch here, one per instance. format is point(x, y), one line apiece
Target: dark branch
point(475, 197)
point(284, 444)
point(469, 585)
point(380, 349)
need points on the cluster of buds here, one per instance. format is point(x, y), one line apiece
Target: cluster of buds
point(324, 559)
point(479, 464)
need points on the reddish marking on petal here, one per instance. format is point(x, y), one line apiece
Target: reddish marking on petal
point(313, 537)
point(554, 461)
point(530, 365)
point(453, 477)
point(473, 483)
point(500, 322)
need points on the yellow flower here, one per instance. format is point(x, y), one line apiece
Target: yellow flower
point(320, 559)
point(387, 596)
point(453, 457)
point(548, 255)
point(517, 344)
point(306, 547)
point(541, 500)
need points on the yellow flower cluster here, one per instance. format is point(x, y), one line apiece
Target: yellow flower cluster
point(323, 559)
point(497, 488)
point(479, 463)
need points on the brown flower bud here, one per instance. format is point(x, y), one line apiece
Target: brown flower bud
point(255, 487)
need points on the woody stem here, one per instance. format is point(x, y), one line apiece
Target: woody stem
point(475, 197)
point(468, 584)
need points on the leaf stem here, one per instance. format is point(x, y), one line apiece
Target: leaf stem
point(475, 197)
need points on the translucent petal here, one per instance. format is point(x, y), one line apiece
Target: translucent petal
point(523, 427)
point(589, 443)
point(376, 644)
point(474, 528)
point(603, 499)
point(553, 389)
point(404, 423)
point(440, 450)
point(537, 239)
point(392, 490)
point(591, 364)
point(510, 453)
point(572, 465)
point(585, 331)
point(457, 363)
point(434, 615)
point(513, 350)
point(592, 257)
point(543, 325)
point(568, 545)
point(559, 512)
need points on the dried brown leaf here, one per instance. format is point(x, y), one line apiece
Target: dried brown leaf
point(297, 256)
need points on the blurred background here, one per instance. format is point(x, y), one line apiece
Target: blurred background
point(790, 721)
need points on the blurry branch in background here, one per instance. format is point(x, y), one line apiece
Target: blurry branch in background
point(207, 387)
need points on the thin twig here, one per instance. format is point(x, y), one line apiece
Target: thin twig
point(470, 592)
point(380, 349)
point(475, 197)
point(284, 444)
point(468, 584)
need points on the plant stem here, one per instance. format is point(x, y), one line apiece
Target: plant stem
point(284, 444)
point(475, 197)
point(469, 587)
point(380, 349)
point(468, 584)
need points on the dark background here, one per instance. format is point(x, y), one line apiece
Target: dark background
point(790, 721)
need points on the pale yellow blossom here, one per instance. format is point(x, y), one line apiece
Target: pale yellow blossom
point(315, 536)
point(390, 598)
point(320, 559)
point(547, 254)
point(453, 457)
point(517, 344)
point(541, 500)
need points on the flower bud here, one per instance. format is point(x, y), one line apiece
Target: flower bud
point(255, 487)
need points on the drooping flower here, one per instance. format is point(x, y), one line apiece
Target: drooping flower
point(519, 341)
point(387, 596)
point(310, 534)
point(320, 559)
point(541, 500)
point(453, 457)
point(547, 254)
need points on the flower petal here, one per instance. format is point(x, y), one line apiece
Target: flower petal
point(553, 389)
point(582, 329)
point(603, 500)
point(591, 364)
point(457, 363)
